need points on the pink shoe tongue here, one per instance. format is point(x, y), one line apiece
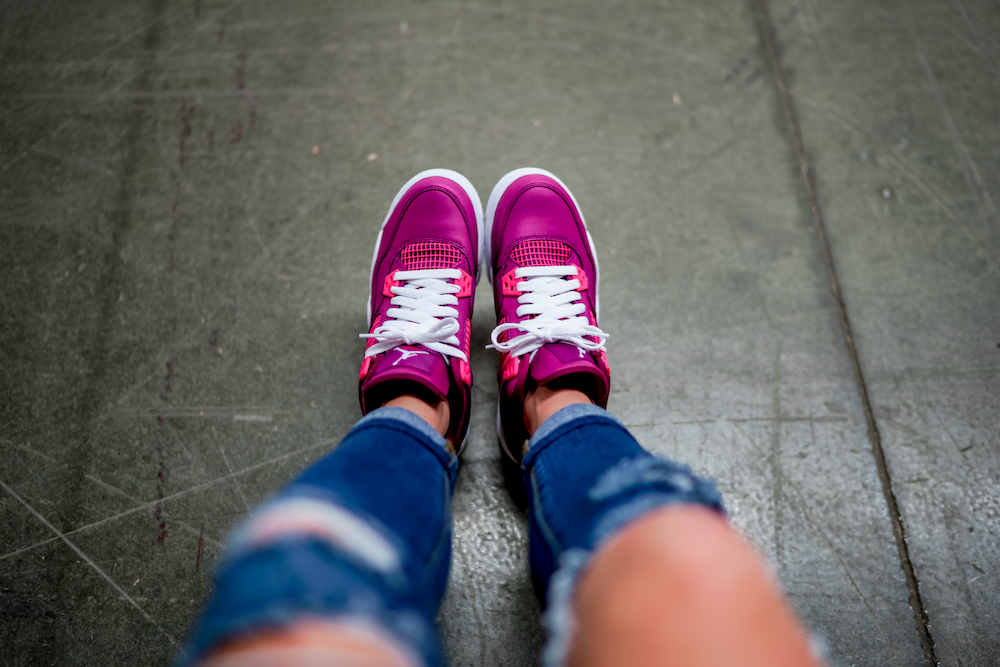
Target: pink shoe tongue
point(558, 359)
point(414, 363)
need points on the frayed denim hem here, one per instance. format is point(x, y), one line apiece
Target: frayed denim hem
point(259, 591)
point(558, 618)
point(637, 486)
point(629, 490)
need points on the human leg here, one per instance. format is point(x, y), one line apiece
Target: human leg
point(358, 545)
point(349, 562)
point(638, 564)
point(679, 583)
point(631, 552)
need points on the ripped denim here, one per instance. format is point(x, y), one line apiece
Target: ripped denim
point(363, 535)
point(587, 478)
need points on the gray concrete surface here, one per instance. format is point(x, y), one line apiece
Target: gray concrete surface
point(188, 198)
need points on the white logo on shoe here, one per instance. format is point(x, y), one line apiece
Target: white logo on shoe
point(406, 354)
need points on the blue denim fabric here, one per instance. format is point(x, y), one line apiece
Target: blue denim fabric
point(587, 478)
point(392, 472)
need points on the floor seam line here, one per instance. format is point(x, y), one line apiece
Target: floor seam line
point(874, 436)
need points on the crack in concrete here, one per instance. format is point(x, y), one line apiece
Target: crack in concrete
point(874, 437)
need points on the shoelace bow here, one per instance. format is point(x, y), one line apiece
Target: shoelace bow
point(423, 314)
point(558, 311)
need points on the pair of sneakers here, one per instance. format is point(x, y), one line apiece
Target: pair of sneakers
point(535, 249)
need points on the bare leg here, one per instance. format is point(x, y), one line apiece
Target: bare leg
point(309, 644)
point(437, 415)
point(678, 587)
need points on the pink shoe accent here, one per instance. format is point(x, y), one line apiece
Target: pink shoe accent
point(429, 255)
point(602, 359)
point(375, 325)
point(534, 221)
point(465, 370)
point(465, 282)
point(509, 283)
point(467, 285)
point(541, 252)
point(389, 282)
point(511, 366)
point(434, 223)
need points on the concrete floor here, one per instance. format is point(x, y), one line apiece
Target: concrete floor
point(189, 192)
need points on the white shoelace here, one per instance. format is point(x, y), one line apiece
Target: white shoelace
point(423, 314)
point(558, 308)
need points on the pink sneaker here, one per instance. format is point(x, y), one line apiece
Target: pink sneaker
point(423, 281)
point(545, 277)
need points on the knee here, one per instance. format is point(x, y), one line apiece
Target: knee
point(682, 557)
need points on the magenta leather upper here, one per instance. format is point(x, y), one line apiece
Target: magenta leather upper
point(432, 226)
point(536, 223)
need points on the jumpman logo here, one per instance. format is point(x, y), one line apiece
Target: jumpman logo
point(406, 354)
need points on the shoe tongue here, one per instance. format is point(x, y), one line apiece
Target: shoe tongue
point(558, 359)
point(429, 255)
point(417, 364)
point(541, 252)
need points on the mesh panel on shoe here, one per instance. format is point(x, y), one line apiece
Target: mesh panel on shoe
point(375, 325)
point(429, 255)
point(540, 252)
point(507, 334)
point(504, 335)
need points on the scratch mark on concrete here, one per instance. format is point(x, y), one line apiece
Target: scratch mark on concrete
point(802, 507)
point(975, 35)
point(973, 179)
point(141, 71)
point(197, 561)
point(234, 413)
point(253, 418)
point(777, 498)
point(912, 171)
point(193, 489)
point(37, 453)
point(82, 163)
point(229, 467)
point(88, 560)
point(183, 524)
point(788, 104)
